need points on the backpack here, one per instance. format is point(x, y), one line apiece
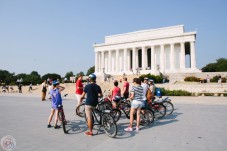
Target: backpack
point(149, 95)
point(158, 92)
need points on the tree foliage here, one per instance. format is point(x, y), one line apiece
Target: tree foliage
point(6, 76)
point(219, 66)
point(81, 72)
point(157, 79)
point(52, 76)
point(68, 75)
point(90, 70)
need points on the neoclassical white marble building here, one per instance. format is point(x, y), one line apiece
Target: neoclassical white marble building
point(150, 51)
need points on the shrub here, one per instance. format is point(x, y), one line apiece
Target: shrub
point(192, 79)
point(216, 78)
point(175, 92)
point(157, 79)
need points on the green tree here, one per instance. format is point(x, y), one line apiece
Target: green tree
point(81, 72)
point(6, 76)
point(33, 78)
point(90, 70)
point(52, 76)
point(222, 64)
point(219, 66)
point(68, 75)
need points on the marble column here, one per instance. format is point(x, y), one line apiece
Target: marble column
point(162, 66)
point(172, 58)
point(125, 59)
point(102, 62)
point(192, 53)
point(128, 60)
point(152, 58)
point(100, 59)
point(143, 58)
point(110, 60)
point(182, 56)
point(134, 58)
point(117, 60)
point(96, 61)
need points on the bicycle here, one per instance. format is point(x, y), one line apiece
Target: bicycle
point(158, 109)
point(167, 103)
point(122, 105)
point(103, 104)
point(61, 117)
point(105, 120)
point(147, 116)
point(80, 110)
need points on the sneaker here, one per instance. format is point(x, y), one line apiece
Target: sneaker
point(57, 127)
point(128, 129)
point(49, 126)
point(88, 133)
point(137, 129)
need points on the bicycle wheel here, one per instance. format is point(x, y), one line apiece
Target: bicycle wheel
point(169, 107)
point(116, 114)
point(80, 110)
point(104, 105)
point(62, 119)
point(126, 108)
point(109, 125)
point(159, 110)
point(147, 117)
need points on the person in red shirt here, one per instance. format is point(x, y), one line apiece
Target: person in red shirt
point(116, 94)
point(79, 89)
point(125, 88)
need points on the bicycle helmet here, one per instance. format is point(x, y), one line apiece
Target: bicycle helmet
point(55, 82)
point(92, 76)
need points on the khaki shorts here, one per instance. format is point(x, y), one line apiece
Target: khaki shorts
point(88, 111)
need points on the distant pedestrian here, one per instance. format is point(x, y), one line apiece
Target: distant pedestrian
point(30, 87)
point(125, 89)
point(44, 90)
point(20, 88)
point(79, 89)
point(208, 79)
point(49, 88)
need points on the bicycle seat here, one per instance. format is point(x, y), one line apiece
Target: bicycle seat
point(60, 105)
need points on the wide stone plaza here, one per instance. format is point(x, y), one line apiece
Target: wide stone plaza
point(197, 124)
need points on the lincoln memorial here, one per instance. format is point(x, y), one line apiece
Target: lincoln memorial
point(166, 50)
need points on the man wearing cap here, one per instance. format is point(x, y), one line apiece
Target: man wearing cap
point(93, 91)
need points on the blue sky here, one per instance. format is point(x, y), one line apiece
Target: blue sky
point(57, 36)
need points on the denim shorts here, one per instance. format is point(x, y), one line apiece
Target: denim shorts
point(136, 104)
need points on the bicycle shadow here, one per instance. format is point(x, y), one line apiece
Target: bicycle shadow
point(122, 134)
point(76, 127)
point(168, 119)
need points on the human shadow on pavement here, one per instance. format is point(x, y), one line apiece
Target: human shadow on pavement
point(122, 134)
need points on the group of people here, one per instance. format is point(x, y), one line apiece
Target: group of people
point(137, 94)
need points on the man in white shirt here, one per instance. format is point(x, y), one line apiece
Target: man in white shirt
point(145, 88)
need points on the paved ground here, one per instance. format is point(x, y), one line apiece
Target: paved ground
point(197, 124)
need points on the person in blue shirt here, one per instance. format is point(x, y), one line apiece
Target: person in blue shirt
point(93, 91)
point(56, 100)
